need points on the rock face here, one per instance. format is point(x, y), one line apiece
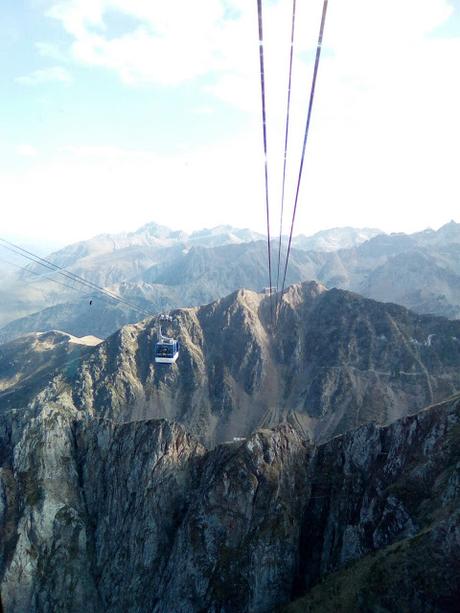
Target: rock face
point(105, 505)
point(27, 364)
point(88, 511)
point(236, 549)
point(335, 239)
point(97, 516)
point(333, 362)
point(394, 491)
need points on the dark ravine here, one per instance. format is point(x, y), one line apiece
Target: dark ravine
point(97, 516)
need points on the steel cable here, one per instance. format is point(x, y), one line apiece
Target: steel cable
point(307, 129)
point(286, 139)
point(264, 133)
point(60, 270)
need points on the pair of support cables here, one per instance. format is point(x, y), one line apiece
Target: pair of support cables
point(282, 284)
point(68, 276)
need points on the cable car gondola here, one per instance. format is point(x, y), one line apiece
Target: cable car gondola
point(166, 349)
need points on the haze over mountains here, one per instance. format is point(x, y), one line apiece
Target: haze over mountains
point(98, 491)
point(122, 260)
point(159, 269)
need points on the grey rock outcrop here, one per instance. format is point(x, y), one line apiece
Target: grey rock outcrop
point(383, 519)
point(89, 510)
point(96, 516)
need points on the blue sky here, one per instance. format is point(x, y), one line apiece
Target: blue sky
point(120, 112)
point(93, 107)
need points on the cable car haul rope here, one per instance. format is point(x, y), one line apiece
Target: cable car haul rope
point(264, 134)
point(36, 259)
point(166, 348)
point(286, 139)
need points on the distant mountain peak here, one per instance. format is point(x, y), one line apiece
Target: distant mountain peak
point(298, 293)
point(157, 230)
point(450, 226)
point(334, 239)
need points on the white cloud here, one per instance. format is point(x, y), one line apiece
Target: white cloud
point(26, 150)
point(51, 50)
point(170, 42)
point(384, 138)
point(83, 191)
point(45, 75)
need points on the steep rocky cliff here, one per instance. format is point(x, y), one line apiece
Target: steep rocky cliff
point(97, 516)
point(88, 511)
point(382, 524)
point(278, 516)
point(108, 504)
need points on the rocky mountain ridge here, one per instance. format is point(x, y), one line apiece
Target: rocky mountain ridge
point(157, 237)
point(334, 361)
point(105, 260)
point(28, 362)
point(335, 239)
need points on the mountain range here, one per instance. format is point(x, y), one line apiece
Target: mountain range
point(158, 270)
point(120, 263)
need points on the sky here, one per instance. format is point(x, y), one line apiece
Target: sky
point(116, 113)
